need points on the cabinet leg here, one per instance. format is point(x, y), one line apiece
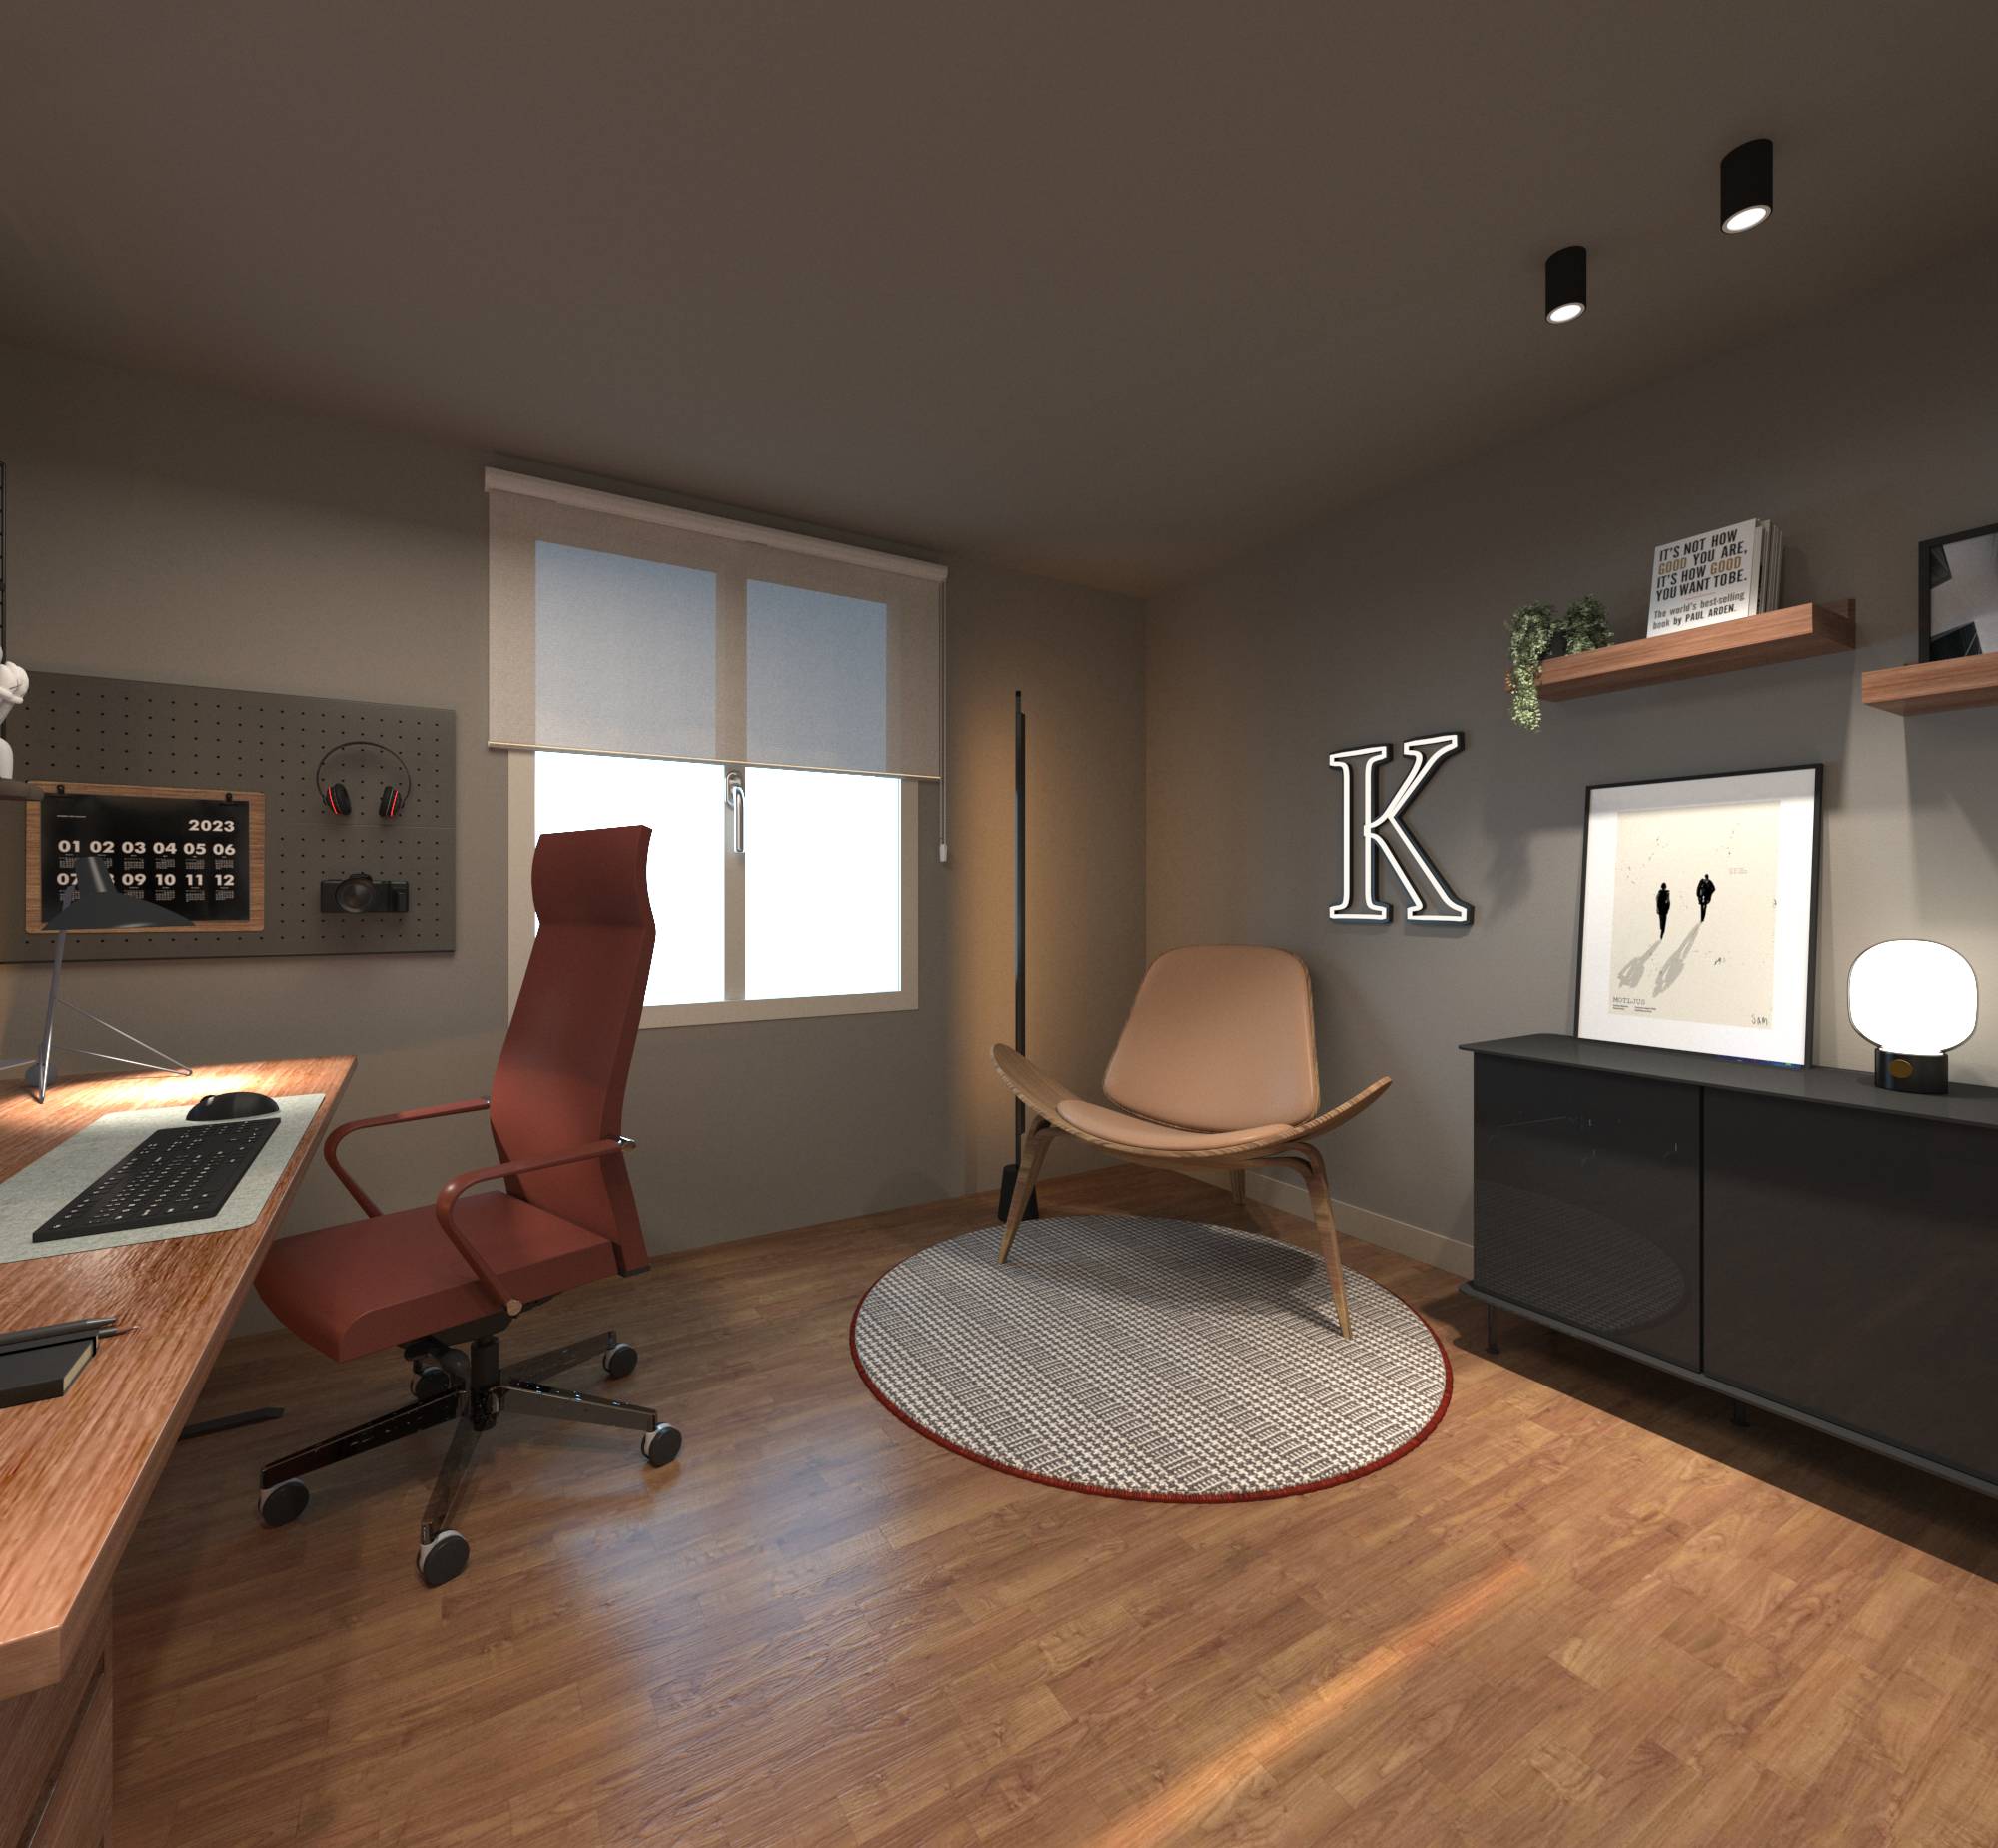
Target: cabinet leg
point(1739, 1414)
point(1491, 1329)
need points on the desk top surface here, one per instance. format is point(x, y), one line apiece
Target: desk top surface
point(1975, 1106)
point(76, 1471)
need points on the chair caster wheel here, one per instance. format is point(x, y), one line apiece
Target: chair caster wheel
point(440, 1560)
point(282, 1504)
point(620, 1358)
point(662, 1445)
point(430, 1382)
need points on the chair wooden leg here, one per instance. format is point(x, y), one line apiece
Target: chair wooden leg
point(1328, 1232)
point(1237, 1185)
point(1032, 1152)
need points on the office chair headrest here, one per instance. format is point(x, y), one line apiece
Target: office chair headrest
point(595, 876)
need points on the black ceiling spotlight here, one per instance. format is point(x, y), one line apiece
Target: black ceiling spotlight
point(1748, 185)
point(1568, 283)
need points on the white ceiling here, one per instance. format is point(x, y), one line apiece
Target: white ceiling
point(1109, 292)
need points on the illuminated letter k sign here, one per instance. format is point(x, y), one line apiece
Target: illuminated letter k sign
point(1368, 829)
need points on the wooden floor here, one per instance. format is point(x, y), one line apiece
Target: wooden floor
point(1587, 1610)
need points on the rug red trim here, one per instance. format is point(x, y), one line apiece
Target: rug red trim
point(1142, 1495)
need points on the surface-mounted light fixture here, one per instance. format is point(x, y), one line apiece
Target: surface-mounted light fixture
point(1748, 185)
point(1914, 1000)
point(1568, 283)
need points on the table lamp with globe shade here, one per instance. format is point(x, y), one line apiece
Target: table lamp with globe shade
point(1914, 1000)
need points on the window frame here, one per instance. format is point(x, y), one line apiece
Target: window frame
point(522, 835)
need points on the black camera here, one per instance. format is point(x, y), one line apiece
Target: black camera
point(357, 895)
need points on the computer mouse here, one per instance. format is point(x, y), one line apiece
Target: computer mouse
point(225, 1105)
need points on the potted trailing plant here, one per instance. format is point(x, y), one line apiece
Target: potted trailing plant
point(1533, 634)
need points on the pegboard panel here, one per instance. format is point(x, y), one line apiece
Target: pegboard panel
point(75, 728)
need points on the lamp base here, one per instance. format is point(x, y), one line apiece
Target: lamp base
point(1927, 1073)
point(39, 1073)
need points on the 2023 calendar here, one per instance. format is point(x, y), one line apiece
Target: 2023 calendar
point(198, 852)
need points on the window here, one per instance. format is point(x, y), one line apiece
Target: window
point(683, 804)
point(822, 884)
point(813, 913)
point(766, 704)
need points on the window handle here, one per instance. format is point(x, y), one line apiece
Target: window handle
point(737, 800)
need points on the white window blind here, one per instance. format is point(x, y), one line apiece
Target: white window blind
point(624, 629)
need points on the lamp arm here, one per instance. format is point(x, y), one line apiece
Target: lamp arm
point(171, 1065)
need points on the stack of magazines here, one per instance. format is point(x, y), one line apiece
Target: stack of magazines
point(1716, 576)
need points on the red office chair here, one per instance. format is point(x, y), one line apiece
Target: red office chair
point(444, 1281)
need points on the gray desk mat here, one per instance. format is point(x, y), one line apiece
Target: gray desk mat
point(51, 1182)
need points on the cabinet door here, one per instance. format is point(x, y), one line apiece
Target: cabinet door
point(1851, 1265)
point(1587, 1201)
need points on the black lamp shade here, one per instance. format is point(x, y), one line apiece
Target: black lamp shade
point(1748, 185)
point(100, 905)
point(1568, 283)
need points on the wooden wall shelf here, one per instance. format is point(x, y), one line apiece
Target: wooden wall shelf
point(1752, 642)
point(1933, 687)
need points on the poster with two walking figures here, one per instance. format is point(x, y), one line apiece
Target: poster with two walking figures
point(1698, 915)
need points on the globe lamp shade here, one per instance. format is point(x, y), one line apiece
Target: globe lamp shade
point(1914, 1000)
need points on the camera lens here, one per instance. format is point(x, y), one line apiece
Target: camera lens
point(357, 893)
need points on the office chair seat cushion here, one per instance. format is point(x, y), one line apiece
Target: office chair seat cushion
point(1119, 1126)
point(377, 1283)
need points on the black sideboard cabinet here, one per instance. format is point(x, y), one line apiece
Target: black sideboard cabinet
point(1797, 1239)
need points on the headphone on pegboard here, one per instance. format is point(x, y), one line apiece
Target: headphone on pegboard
point(395, 796)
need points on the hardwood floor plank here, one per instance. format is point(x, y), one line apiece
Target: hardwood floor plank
point(1588, 1610)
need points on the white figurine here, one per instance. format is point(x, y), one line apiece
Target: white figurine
point(13, 691)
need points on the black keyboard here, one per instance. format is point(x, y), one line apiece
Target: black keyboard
point(173, 1175)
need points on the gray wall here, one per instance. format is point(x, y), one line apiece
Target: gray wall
point(161, 531)
point(1860, 434)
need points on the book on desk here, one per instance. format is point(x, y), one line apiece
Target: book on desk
point(44, 1362)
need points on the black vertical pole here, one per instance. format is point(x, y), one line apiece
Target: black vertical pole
point(1011, 1171)
point(1019, 907)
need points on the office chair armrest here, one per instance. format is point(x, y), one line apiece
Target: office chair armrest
point(447, 1204)
point(341, 1130)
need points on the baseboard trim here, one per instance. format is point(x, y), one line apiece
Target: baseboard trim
point(1397, 1234)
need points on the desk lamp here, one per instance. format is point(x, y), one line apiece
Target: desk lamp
point(1914, 1000)
point(98, 905)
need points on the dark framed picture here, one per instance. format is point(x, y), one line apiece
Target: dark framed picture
point(1957, 592)
point(1699, 914)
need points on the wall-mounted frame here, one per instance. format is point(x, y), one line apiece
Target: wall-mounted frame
point(196, 852)
point(1653, 968)
point(1957, 595)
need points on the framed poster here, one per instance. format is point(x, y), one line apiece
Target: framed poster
point(196, 852)
point(1957, 595)
point(1699, 914)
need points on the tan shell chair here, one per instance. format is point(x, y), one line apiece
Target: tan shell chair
point(1217, 1067)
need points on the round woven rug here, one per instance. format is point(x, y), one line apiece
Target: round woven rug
point(1157, 1358)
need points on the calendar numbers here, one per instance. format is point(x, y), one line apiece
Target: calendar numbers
point(179, 852)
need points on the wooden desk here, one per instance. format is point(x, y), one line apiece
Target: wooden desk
point(76, 1471)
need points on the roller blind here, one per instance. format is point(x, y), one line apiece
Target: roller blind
point(622, 627)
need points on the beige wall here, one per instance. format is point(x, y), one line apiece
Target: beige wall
point(1859, 434)
point(161, 531)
